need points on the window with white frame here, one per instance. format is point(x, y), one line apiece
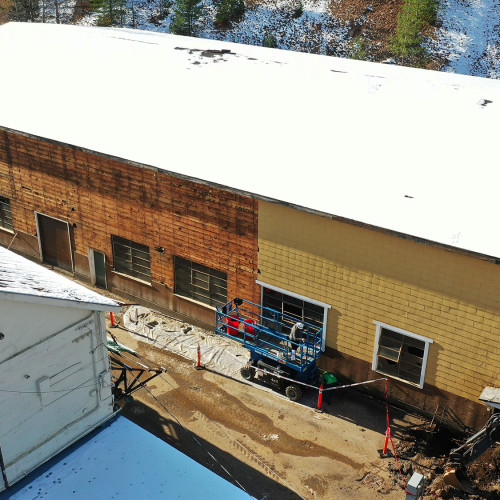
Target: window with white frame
point(299, 308)
point(400, 354)
point(5, 214)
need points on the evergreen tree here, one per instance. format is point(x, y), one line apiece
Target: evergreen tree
point(228, 11)
point(164, 8)
point(111, 12)
point(415, 17)
point(187, 17)
point(24, 10)
point(269, 41)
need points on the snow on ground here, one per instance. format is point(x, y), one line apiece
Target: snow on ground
point(470, 37)
point(314, 31)
point(66, 9)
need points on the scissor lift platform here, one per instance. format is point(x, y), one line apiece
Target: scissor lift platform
point(264, 332)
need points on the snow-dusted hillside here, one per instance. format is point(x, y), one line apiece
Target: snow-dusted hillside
point(314, 31)
point(468, 36)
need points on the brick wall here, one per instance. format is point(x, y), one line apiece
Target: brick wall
point(99, 196)
point(367, 276)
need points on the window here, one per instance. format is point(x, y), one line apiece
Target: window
point(294, 305)
point(131, 258)
point(5, 214)
point(400, 354)
point(200, 282)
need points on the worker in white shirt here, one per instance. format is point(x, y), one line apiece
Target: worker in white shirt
point(296, 338)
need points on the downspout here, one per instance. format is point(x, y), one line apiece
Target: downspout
point(97, 336)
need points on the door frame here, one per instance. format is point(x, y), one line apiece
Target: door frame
point(93, 277)
point(37, 214)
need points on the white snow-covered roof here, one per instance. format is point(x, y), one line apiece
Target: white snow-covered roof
point(25, 280)
point(408, 150)
point(123, 461)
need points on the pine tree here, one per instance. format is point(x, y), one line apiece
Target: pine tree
point(229, 11)
point(269, 40)
point(164, 7)
point(111, 12)
point(187, 17)
point(24, 10)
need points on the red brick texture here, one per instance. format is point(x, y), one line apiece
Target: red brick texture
point(100, 196)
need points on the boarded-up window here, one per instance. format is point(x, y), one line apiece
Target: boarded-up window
point(131, 258)
point(55, 242)
point(298, 309)
point(5, 213)
point(200, 282)
point(400, 356)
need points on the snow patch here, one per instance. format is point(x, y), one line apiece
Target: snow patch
point(21, 276)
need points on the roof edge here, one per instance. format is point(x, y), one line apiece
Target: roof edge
point(42, 299)
point(353, 222)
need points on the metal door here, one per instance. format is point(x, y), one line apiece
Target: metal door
point(55, 241)
point(100, 269)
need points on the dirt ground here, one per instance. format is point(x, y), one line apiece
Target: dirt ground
point(375, 21)
point(276, 449)
point(272, 447)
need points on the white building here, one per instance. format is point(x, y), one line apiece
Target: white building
point(55, 383)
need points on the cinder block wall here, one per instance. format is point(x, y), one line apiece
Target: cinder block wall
point(367, 275)
point(99, 197)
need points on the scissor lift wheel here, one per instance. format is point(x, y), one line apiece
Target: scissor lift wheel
point(293, 392)
point(247, 372)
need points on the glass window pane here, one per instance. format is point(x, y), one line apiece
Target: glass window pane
point(200, 282)
point(298, 309)
point(5, 213)
point(400, 355)
point(131, 258)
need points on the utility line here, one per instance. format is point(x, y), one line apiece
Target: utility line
point(255, 457)
point(197, 441)
point(265, 466)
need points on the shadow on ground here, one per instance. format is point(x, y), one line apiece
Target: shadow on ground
point(256, 484)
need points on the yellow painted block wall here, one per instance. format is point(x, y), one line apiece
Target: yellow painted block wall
point(366, 275)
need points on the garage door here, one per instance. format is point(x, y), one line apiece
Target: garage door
point(55, 242)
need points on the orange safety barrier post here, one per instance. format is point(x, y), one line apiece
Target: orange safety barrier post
point(112, 319)
point(387, 434)
point(384, 453)
point(198, 365)
point(320, 399)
